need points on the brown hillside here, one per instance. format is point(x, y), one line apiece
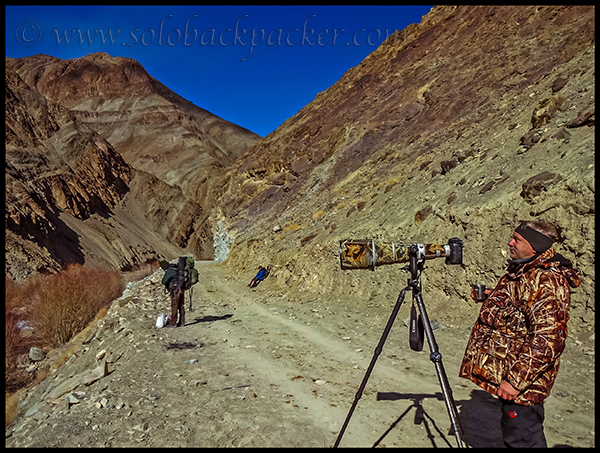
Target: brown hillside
point(458, 126)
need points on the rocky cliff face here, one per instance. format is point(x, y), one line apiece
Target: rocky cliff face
point(459, 126)
point(106, 166)
point(54, 166)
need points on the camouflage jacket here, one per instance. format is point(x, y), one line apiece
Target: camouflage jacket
point(521, 329)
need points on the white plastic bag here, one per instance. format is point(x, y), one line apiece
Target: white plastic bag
point(161, 321)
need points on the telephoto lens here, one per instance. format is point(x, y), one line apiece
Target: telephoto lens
point(368, 253)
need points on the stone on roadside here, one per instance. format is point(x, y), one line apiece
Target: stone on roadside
point(63, 405)
point(36, 354)
point(142, 427)
point(72, 399)
point(98, 373)
point(33, 409)
point(40, 415)
point(65, 387)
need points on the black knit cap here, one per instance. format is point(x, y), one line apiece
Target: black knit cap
point(540, 242)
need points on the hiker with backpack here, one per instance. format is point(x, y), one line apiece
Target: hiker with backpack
point(177, 279)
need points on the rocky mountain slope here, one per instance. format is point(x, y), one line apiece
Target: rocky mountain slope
point(153, 128)
point(455, 127)
point(106, 166)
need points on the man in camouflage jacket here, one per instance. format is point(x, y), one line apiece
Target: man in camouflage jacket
point(514, 348)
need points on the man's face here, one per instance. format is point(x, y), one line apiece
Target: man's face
point(520, 248)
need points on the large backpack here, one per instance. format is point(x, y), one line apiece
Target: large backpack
point(191, 273)
point(182, 274)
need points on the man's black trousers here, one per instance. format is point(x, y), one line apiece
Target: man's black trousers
point(522, 426)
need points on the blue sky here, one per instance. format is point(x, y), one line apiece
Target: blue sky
point(255, 66)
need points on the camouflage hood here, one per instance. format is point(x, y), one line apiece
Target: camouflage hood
point(549, 259)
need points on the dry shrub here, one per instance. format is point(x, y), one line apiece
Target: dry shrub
point(10, 406)
point(19, 295)
point(69, 300)
point(78, 339)
point(15, 376)
point(141, 271)
point(12, 334)
point(13, 294)
point(58, 306)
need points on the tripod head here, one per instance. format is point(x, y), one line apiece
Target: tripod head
point(416, 264)
point(418, 253)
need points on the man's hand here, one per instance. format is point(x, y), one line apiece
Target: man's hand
point(487, 293)
point(507, 391)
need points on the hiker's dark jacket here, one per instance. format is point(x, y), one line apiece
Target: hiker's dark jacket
point(521, 329)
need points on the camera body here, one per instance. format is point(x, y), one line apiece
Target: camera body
point(368, 254)
point(455, 254)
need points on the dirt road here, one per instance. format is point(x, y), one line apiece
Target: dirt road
point(261, 367)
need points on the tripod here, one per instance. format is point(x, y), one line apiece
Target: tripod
point(415, 268)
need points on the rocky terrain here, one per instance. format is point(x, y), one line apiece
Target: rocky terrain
point(106, 166)
point(455, 127)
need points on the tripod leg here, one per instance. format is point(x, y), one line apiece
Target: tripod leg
point(436, 358)
point(378, 350)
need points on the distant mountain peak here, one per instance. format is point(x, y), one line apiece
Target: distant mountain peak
point(98, 136)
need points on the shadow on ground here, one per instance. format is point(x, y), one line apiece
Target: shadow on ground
point(209, 318)
point(479, 416)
